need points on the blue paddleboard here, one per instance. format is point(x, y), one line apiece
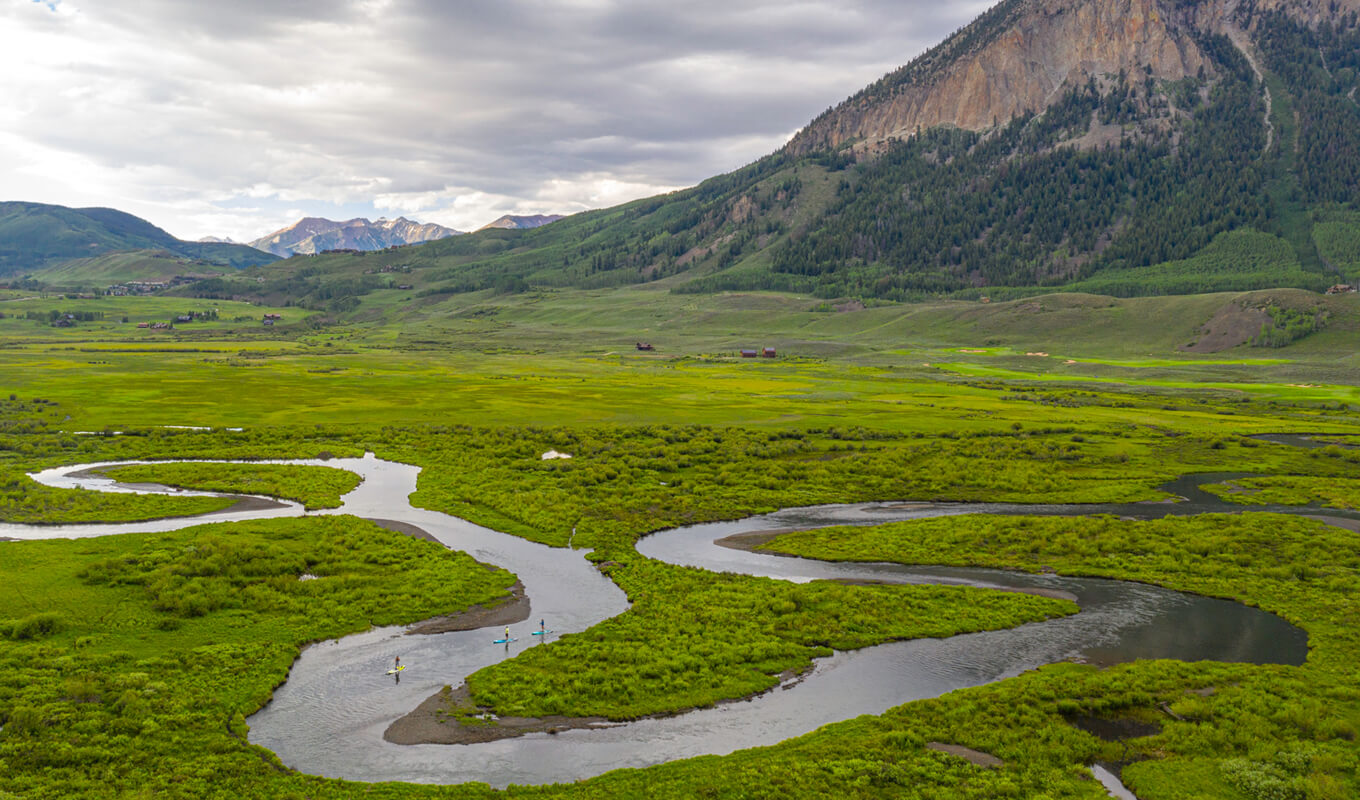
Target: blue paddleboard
point(504, 641)
point(540, 633)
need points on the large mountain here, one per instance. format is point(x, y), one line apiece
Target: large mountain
point(521, 222)
point(1122, 147)
point(36, 235)
point(313, 235)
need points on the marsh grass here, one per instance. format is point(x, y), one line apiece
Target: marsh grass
point(314, 487)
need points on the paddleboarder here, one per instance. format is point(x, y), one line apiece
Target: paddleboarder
point(397, 666)
point(542, 626)
point(507, 634)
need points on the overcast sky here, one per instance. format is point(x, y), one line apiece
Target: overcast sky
point(237, 118)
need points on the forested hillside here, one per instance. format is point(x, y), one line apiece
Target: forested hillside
point(1243, 175)
point(35, 235)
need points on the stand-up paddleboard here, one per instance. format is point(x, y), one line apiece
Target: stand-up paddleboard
point(395, 671)
point(504, 641)
point(540, 633)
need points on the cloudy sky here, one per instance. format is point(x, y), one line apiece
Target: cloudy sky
point(237, 118)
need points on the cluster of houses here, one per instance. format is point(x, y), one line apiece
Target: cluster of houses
point(157, 326)
point(1342, 288)
point(271, 318)
point(130, 288)
point(389, 268)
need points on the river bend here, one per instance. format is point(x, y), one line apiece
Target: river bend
point(329, 716)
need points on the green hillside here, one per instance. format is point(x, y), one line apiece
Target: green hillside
point(1179, 194)
point(123, 266)
point(36, 235)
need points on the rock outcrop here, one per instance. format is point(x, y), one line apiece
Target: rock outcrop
point(1022, 54)
point(315, 234)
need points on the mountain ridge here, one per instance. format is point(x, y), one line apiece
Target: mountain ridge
point(1021, 54)
point(522, 221)
point(1243, 173)
point(36, 235)
point(312, 235)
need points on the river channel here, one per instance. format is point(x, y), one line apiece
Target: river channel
point(329, 716)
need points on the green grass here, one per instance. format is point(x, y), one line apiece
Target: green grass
point(873, 404)
point(1290, 491)
point(1291, 728)
point(103, 271)
point(156, 645)
point(691, 639)
point(314, 487)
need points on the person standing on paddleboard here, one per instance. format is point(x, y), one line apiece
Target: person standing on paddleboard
point(507, 634)
point(542, 626)
point(397, 665)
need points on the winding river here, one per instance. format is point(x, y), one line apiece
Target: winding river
point(329, 716)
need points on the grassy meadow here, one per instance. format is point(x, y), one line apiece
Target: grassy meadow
point(1063, 398)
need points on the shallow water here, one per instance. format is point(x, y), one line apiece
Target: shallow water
point(329, 716)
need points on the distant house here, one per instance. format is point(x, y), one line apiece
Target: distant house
point(184, 318)
point(273, 317)
point(1341, 288)
point(748, 354)
point(768, 352)
point(405, 286)
point(144, 324)
point(645, 346)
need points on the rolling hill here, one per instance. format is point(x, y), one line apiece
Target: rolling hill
point(37, 235)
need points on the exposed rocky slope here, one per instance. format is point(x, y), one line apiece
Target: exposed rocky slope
point(518, 222)
point(315, 234)
point(1022, 54)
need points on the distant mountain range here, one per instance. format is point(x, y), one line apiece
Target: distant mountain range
point(37, 235)
point(513, 222)
point(312, 235)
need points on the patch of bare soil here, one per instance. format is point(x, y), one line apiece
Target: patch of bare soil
point(432, 723)
point(750, 541)
point(406, 528)
point(1116, 729)
point(242, 504)
point(516, 609)
point(506, 612)
point(976, 757)
point(1232, 326)
point(450, 717)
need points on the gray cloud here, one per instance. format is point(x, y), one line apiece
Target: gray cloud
point(173, 106)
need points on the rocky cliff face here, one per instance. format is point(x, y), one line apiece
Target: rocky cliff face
point(314, 234)
point(1022, 54)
